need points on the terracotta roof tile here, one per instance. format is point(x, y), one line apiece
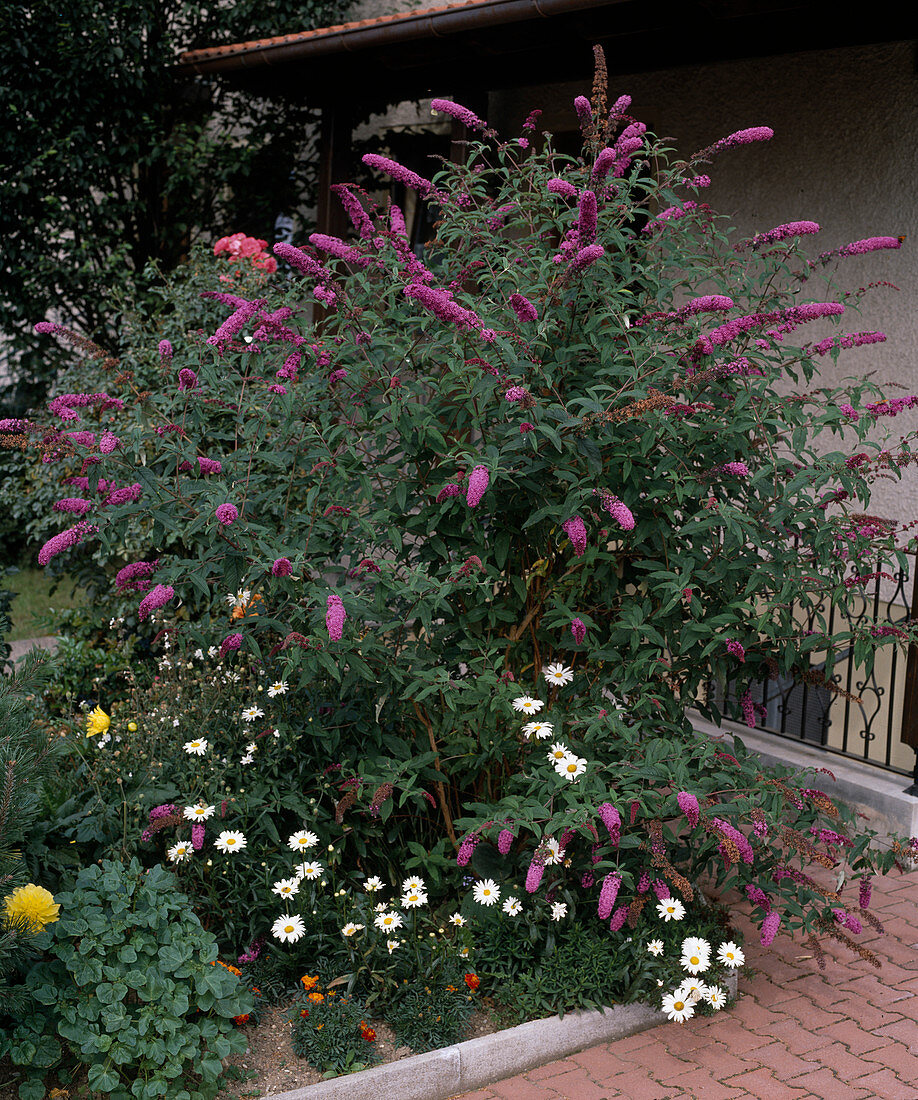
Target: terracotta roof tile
point(191, 57)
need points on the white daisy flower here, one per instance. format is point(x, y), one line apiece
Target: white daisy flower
point(279, 687)
point(212, 651)
point(180, 851)
point(695, 962)
point(558, 675)
point(199, 654)
point(486, 892)
point(351, 929)
point(527, 705)
point(251, 713)
point(302, 840)
point(393, 945)
point(195, 748)
point(380, 907)
point(288, 929)
point(677, 1008)
point(551, 851)
point(309, 870)
point(691, 989)
point(463, 952)
point(230, 841)
point(286, 887)
point(247, 759)
point(558, 910)
point(538, 729)
point(715, 996)
point(241, 598)
point(388, 922)
point(512, 906)
point(458, 919)
point(671, 909)
point(655, 947)
point(558, 751)
point(571, 767)
point(413, 884)
point(730, 955)
point(199, 812)
point(414, 899)
point(373, 884)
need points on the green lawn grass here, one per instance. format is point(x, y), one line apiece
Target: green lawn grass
point(33, 602)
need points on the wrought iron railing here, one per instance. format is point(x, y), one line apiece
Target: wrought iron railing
point(874, 718)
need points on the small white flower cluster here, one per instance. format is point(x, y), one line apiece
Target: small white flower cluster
point(695, 959)
point(565, 762)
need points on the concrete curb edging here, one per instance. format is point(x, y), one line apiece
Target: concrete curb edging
point(478, 1062)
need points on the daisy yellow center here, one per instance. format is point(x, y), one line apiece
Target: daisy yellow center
point(572, 767)
point(678, 1005)
point(669, 909)
point(695, 961)
point(230, 840)
point(288, 928)
point(487, 893)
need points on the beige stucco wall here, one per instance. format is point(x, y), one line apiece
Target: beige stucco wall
point(845, 154)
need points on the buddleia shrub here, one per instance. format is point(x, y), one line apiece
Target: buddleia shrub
point(586, 431)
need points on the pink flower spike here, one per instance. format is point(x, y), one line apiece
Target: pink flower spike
point(157, 597)
point(282, 567)
point(505, 842)
point(478, 484)
point(770, 926)
point(523, 308)
point(461, 114)
point(534, 874)
point(607, 895)
point(584, 111)
point(578, 629)
point(227, 514)
point(575, 530)
point(230, 642)
point(334, 617)
point(688, 804)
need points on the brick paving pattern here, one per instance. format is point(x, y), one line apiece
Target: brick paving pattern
point(849, 1032)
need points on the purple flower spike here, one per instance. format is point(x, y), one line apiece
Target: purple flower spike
point(187, 379)
point(451, 490)
point(165, 351)
point(612, 821)
point(230, 642)
point(688, 804)
point(505, 842)
point(770, 926)
point(303, 262)
point(585, 258)
point(586, 226)
point(282, 567)
point(578, 629)
point(534, 874)
point(575, 530)
point(478, 484)
point(618, 918)
point(227, 514)
point(65, 540)
point(461, 114)
point(157, 597)
point(466, 849)
point(584, 111)
point(398, 172)
point(607, 895)
point(523, 308)
point(334, 617)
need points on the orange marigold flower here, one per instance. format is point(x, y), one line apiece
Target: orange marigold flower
point(308, 982)
point(368, 1033)
point(240, 1020)
point(316, 998)
point(304, 1012)
point(472, 981)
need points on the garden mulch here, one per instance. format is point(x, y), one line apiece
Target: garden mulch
point(849, 1032)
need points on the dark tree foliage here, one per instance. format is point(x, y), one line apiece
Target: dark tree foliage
point(110, 159)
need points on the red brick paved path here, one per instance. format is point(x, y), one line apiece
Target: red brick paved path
point(849, 1032)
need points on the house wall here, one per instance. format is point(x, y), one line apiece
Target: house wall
point(845, 154)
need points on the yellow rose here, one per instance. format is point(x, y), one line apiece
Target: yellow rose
point(97, 721)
